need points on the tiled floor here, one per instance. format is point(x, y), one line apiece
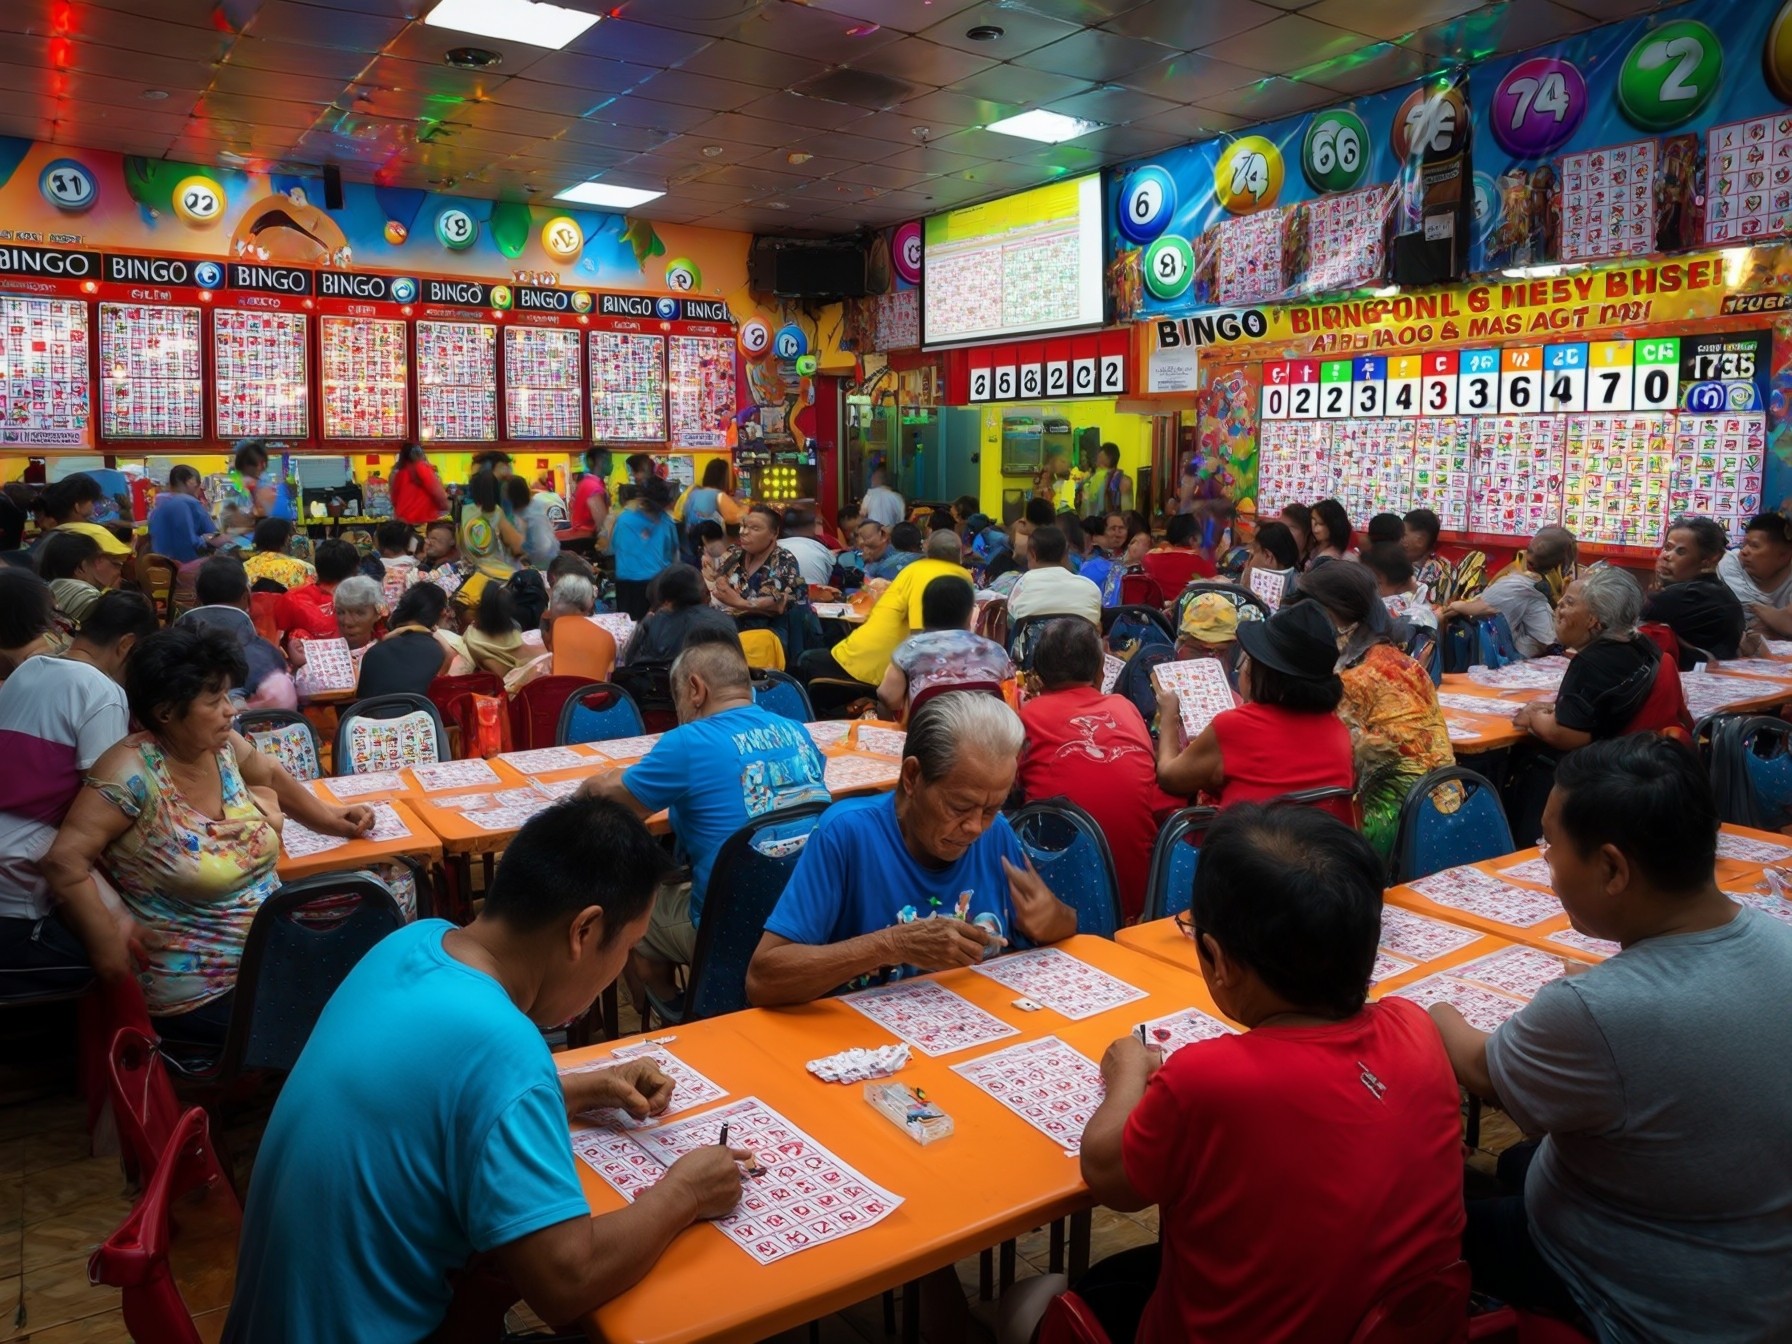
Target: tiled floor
point(57, 1203)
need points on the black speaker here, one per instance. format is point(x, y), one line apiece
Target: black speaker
point(332, 187)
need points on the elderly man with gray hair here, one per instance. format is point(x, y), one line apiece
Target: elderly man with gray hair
point(1525, 596)
point(927, 878)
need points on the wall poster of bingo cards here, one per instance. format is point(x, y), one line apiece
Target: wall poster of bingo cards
point(1748, 179)
point(365, 378)
point(1615, 478)
point(1718, 460)
point(1375, 466)
point(1346, 240)
point(1441, 454)
point(700, 377)
point(457, 382)
point(1517, 474)
point(151, 386)
point(1250, 257)
point(1294, 463)
point(1608, 202)
point(544, 388)
point(44, 386)
point(628, 387)
point(261, 387)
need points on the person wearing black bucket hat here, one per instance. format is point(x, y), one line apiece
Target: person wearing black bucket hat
point(1287, 735)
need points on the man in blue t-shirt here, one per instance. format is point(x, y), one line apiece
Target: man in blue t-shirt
point(924, 879)
point(425, 1123)
point(179, 526)
point(728, 763)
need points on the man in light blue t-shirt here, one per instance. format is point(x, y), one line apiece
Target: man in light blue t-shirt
point(728, 762)
point(924, 879)
point(425, 1123)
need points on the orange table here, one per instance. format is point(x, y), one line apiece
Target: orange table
point(422, 844)
point(995, 1177)
point(1163, 940)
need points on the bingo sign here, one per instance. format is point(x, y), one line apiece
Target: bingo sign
point(1725, 372)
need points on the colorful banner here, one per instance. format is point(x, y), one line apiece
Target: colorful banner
point(1613, 142)
point(92, 199)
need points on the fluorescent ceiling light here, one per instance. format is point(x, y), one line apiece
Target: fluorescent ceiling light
point(1052, 128)
point(540, 25)
point(606, 196)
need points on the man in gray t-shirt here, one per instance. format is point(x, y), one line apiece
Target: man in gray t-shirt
point(1522, 596)
point(1659, 1202)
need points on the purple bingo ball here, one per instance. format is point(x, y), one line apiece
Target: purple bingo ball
point(1538, 106)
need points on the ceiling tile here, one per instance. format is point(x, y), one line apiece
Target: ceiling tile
point(623, 39)
point(288, 21)
point(922, 62)
point(982, 144)
point(436, 81)
point(144, 71)
point(328, 62)
point(1094, 54)
point(1275, 97)
point(751, 131)
point(763, 66)
point(138, 120)
point(1608, 11)
point(1191, 77)
point(703, 18)
point(497, 116)
point(1188, 124)
point(1088, 13)
point(898, 128)
point(820, 165)
point(861, 88)
point(422, 42)
point(231, 78)
point(951, 109)
point(688, 149)
point(759, 181)
point(260, 111)
point(1509, 27)
point(635, 139)
point(531, 96)
point(845, 145)
point(882, 175)
point(718, 95)
point(26, 126)
point(1111, 105)
point(817, 114)
point(392, 9)
point(1179, 24)
point(932, 160)
point(1049, 161)
point(633, 110)
point(128, 93)
point(714, 193)
point(156, 38)
point(1129, 142)
point(814, 32)
point(1017, 84)
point(1385, 65)
point(194, 13)
point(1388, 18)
point(1021, 31)
point(1292, 42)
point(908, 16)
point(365, 100)
point(999, 176)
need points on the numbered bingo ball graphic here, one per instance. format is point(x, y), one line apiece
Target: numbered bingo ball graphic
point(755, 339)
point(790, 342)
point(1147, 203)
point(501, 296)
point(561, 237)
point(396, 233)
point(1432, 124)
point(1669, 74)
point(1776, 54)
point(1248, 175)
point(906, 254)
point(199, 201)
point(682, 274)
point(1538, 106)
point(1169, 267)
point(806, 366)
point(1334, 156)
point(456, 230)
point(68, 185)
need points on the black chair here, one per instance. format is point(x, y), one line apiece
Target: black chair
point(650, 686)
point(1135, 612)
point(354, 755)
point(1751, 771)
point(1174, 857)
point(782, 694)
point(748, 877)
point(1071, 854)
point(1428, 838)
point(1023, 634)
point(287, 737)
point(1248, 605)
point(302, 944)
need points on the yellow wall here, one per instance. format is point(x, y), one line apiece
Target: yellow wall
point(1131, 434)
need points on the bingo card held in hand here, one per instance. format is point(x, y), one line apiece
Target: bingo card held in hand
point(1201, 690)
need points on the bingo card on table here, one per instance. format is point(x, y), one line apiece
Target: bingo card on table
point(261, 384)
point(1615, 478)
point(366, 386)
point(1608, 202)
point(1748, 179)
point(1515, 484)
point(457, 382)
point(1718, 460)
point(544, 387)
point(1346, 240)
point(929, 1016)
point(1044, 1082)
point(803, 1195)
point(44, 388)
point(150, 381)
point(628, 386)
point(700, 380)
point(1063, 983)
point(1442, 451)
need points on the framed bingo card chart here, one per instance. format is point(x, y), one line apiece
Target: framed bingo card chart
point(1375, 462)
point(457, 382)
point(700, 384)
point(45, 384)
point(1718, 465)
point(1515, 483)
point(1295, 463)
point(628, 386)
point(1615, 479)
point(260, 375)
point(152, 383)
point(544, 383)
point(365, 377)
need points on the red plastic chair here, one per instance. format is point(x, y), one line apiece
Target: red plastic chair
point(1429, 1309)
point(453, 699)
point(135, 1257)
point(1068, 1320)
point(1665, 711)
point(535, 710)
point(1139, 589)
point(143, 1100)
point(994, 688)
point(1174, 570)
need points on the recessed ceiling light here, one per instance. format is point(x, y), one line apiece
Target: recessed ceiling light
point(985, 32)
point(605, 195)
point(712, 151)
point(153, 95)
point(471, 58)
point(798, 156)
point(539, 25)
point(1052, 128)
point(777, 205)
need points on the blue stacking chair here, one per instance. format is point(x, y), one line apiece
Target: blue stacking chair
point(749, 875)
point(1428, 839)
point(1498, 648)
point(782, 694)
point(598, 712)
point(1425, 647)
point(1173, 860)
point(1071, 854)
point(1751, 771)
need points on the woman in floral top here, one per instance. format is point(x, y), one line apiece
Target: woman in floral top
point(186, 820)
point(758, 581)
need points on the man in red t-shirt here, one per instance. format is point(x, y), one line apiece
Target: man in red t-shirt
point(1094, 750)
point(309, 611)
point(1303, 1167)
